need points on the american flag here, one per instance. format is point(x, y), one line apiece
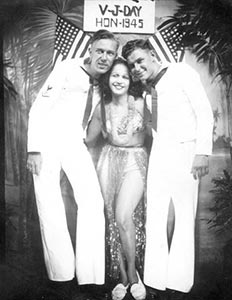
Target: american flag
point(167, 43)
point(70, 41)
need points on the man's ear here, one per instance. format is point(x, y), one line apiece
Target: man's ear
point(90, 50)
point(153, 54)
point(89, 58)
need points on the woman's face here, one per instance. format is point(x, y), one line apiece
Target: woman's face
point(119, 80)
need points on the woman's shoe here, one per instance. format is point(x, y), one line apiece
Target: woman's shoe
point(119, 292)
point(138, 290)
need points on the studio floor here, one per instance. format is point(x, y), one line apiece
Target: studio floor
point(23, 275)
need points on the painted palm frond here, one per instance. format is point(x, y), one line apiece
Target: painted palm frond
point(29, 40)
point(29, 35)
point(205, 27)
point(208, 25)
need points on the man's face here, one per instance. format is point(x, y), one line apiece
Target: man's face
point(142, 64)
point(102, 54)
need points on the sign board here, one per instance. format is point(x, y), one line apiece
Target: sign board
point(124, 16)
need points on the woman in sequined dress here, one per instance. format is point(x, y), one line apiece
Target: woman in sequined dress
point(122, 169)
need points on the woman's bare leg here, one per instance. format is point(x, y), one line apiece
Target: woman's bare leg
point(123, 271)
point(128, 198)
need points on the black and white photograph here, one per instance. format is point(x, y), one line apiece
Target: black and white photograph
point(116, 150)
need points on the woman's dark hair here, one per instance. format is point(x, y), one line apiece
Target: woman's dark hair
point(135, 88)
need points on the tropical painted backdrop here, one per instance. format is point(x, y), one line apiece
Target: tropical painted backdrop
point(29, 39)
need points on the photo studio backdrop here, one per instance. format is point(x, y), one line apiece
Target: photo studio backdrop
point(38, 35)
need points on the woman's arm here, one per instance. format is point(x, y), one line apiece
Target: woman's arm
point(94, 128)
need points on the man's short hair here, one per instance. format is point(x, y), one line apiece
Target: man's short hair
point(104, 34)
point(130, 46)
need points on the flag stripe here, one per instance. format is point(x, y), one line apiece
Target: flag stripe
point(85, 47)
point(165, 24)
point(181, 55)
point(70, 41)
point(55, 57)
point(157, 49)
point(77, 48)
point(162, 48)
